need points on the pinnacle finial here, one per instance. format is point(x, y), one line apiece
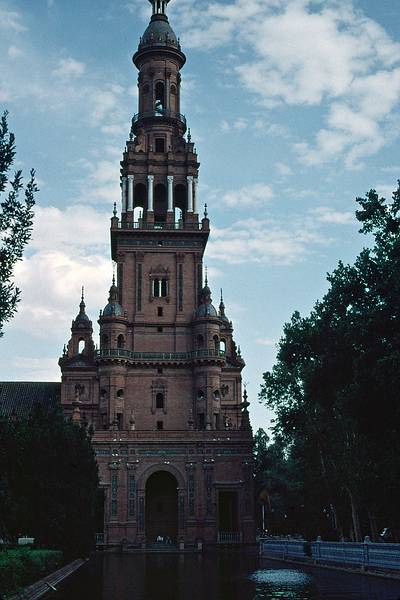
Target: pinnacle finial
point(115, 210)
point(222, 299)
point(83, 294)
point(206, 278)
point(205, 211)
point(159, 6)
point(189, 135)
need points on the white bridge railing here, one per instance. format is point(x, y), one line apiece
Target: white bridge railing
point(364, 555)
point(230, 537)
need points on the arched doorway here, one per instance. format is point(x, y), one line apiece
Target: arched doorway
point(161, 507)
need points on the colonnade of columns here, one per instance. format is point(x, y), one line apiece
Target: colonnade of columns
point(127, 193)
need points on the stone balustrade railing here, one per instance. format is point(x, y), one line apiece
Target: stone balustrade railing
point(364, 555)
point(122, 353)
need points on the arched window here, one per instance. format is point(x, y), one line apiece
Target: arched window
point(104, 340)
point(173, 99)
point(140, 201)
point(180, 198)
point(120, 394)
point(159, 400)
point(200, 341)
point(120, 341)
point(216, 343)
point(217, 395)
point(160, 203)
point(160, 103)
point(222, 345)
point(200, 395)
point(81, 346)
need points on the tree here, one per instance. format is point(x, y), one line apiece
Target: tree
point(16, 219)
point(335, 385)
point(48, 482)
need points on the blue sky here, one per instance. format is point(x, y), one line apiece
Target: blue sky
point(294, 109)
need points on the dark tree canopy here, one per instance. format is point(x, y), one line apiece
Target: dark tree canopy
point(16, 219)
point(48, 482)
point(334, 387)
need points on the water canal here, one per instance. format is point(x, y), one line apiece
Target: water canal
point(218, 576)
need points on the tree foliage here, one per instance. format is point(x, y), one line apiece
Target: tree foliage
point(16, 219)
point(48, 482)
point(334, 387)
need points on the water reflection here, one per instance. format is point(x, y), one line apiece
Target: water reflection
point(218, 576)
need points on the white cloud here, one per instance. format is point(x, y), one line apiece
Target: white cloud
point(69, 68)
point(283, 169)
point(264, 241)
point(11, 20)
point(265, 341)
point(14, 52)
point(69, 248)
point(308, 53)
point(253, 195)
point(32, 369)
point(237, 125)
point(325, 214)
point(392, 169)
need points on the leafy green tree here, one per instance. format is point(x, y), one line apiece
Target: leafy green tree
point(48, 482)
point(16, 219)
point(335, 385)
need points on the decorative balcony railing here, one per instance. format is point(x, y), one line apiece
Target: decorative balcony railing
point(179, 225)
point(159, 114)
point(230, 537)
point(145, 356)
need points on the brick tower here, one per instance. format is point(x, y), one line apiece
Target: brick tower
point(163, 392)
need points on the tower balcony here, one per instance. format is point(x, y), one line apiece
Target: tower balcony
point(162, 225)
point(121, 354)
point(162, 114)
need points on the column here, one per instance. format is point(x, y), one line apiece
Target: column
point(195, 203)
point(123, 195)
point(170, 179)
point(150, 183)
point(190, 193)
point(130, 192)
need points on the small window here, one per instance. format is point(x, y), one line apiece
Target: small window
point(159, 370)
point(120, 394)
point(160, 145)
point(160, 425)
point(200, 395)
point(222, 345)
point(217, 395)
point(159, 400)
point(160, 329)
point(216, 421)
point(160, 288)
point(160, 311)
point(121, 341)
point(119, 421)
point(81, 346)
point(201, 420)
point(173, 89)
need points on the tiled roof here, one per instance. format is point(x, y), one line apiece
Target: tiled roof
point(18, 398)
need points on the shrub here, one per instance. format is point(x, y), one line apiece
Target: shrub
point(23, 566)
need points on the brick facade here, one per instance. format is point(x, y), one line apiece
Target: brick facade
point(163, 392)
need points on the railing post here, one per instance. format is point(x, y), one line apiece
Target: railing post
point(367, 541)
point(319, 540)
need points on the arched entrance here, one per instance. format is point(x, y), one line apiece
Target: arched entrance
point(161, 507)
